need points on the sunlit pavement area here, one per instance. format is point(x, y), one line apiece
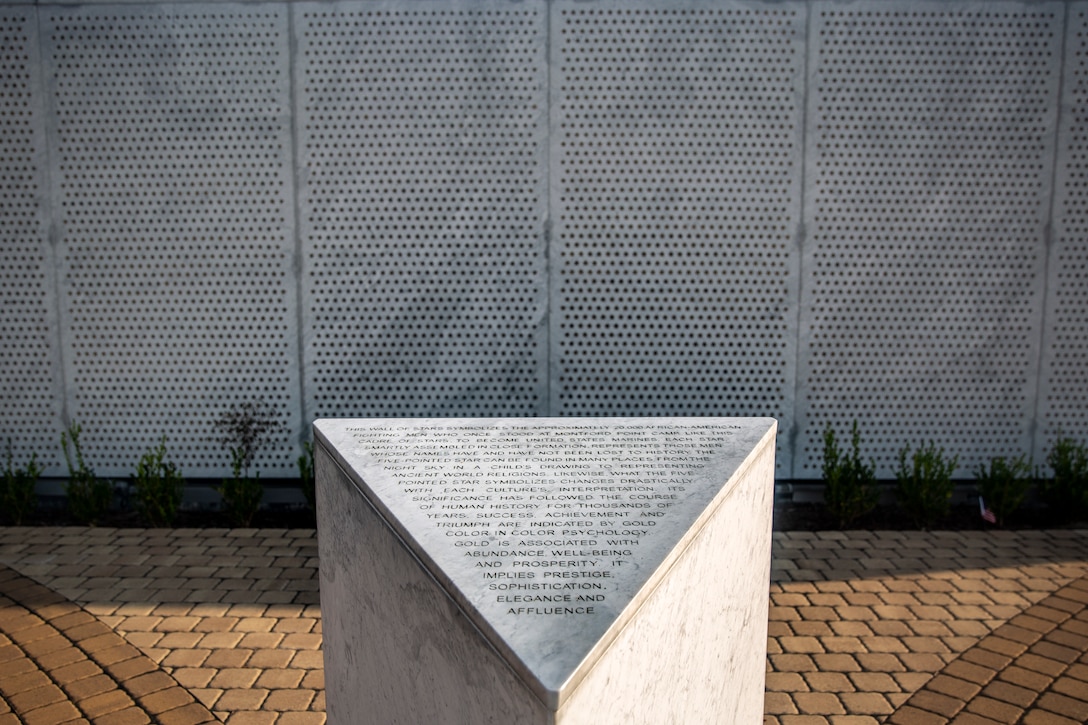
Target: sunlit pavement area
point(912, 627)
point(204, 625)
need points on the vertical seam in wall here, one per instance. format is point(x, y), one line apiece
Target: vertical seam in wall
point(1050, 245)
point(53, 242)
point(551, 407)
point(802, 235)
point(296, 201)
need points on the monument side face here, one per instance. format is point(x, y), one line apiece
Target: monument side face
point(697, 651)
point(396, 647)
point(545, 570)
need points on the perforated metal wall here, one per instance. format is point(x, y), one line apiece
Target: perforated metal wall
point(424, 161)
point(677, 179)
point(929, 160)
point(172, 180)
point(1063, 395)
point(816, 210)
point(29, 379)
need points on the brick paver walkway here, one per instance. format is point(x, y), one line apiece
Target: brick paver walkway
point(860, 621)
point(60, 665)
point(176, 625)
point(1034, 667)
point(231, 616)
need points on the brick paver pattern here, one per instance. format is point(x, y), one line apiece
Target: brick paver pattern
point(860, 621)
point(1032, 669)
point(231, 615)
point(864, 627)
point(62, 665)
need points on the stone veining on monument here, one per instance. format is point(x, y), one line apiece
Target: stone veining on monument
point(548, 533)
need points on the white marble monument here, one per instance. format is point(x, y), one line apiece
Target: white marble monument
point(551, 571)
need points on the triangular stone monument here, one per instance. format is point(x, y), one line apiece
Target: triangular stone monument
point(545, 570)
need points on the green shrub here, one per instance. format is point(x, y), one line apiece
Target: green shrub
point(158, 486)
point(17, 497)
point(243, 430)
point(1067, 492)
point(1004, 484)
point(306, 474)
point(924, 487)
point(88, 496)
point(241, 494)
point(850, 489)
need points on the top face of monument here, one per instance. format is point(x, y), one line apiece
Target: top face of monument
point(547, 532)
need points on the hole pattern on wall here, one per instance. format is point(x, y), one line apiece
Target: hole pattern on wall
point(930, 154)
point(1063, 398)
point(423, 132)
point(172, 155)
point(676, 207)
point(28, 392)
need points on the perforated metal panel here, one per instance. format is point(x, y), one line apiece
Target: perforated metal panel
point(422, 147)
point(29, 383)
point(929, 160)
point(677, 136)
point(172, 177)
point(544, 207)
point(1063, 394)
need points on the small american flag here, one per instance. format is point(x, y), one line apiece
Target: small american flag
point(987, 514)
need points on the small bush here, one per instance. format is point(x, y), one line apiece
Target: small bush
point(241, 494)
point(158, 486)
point(924, 487)
point(1067, 492)
point(306, 474)
point(88, 496)
point(17, 497)
point(1004, 484)
point(243, 430)
point(850, 489)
